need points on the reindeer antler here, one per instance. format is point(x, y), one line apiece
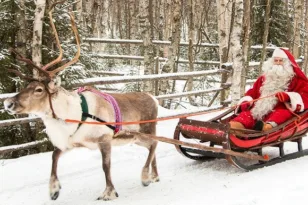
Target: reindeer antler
point(57, 60)
point(44, 69)
point(29, 62)
point(76, 57)
point(19, 74)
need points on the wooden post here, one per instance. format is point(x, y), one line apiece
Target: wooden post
point(156, 72)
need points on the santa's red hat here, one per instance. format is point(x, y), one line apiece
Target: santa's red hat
point(283, 53)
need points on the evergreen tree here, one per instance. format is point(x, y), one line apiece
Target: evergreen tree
point(278, 29)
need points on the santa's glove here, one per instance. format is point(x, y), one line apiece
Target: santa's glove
point(244, 106)
point(282, 97)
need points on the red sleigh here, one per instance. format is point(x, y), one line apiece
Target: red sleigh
point(229, 143)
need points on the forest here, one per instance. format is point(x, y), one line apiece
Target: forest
point(235, 32)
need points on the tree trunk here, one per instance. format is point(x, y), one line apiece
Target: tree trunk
point(37, 33)
point(224, 20)
point(305, 65)
point(168, 16)
point(237, 53)
point(79, 11)
point(175, 36)
point(119, 18)
point(265, 35)
point(289, 25)
point(246, 43)
point(145, 29)
point(296, 28)
point(176, 9)
point(191, 56)
point(133, 30)
point(22, 34)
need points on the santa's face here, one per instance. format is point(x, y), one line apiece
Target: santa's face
point(278, 61)
point(278, 68)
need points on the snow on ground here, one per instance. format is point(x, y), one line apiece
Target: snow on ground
point(182, 181)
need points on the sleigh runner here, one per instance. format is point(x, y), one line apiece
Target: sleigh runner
point(232, 143)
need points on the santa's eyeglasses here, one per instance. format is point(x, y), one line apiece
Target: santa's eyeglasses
point(278, 60)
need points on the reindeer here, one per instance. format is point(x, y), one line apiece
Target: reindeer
point(53, 104)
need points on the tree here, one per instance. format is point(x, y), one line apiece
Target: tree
point(224, 8)
point(191, 37)
point(147, 36)
point(265, 35)
point(305, 65)
point(237, 90)
point(173, 50)
point(37, 34)
point(298, 16)
point(246, 42)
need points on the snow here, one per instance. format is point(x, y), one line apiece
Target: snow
point(182, 181)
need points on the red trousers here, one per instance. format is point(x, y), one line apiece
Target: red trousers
point(279, 116)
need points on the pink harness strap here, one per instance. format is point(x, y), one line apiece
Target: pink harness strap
point(109, 99)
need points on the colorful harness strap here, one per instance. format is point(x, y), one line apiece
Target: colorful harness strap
point(108, 98)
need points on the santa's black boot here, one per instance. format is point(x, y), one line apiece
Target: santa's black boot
point(259, 125)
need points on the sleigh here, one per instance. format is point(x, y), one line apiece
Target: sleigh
point(243, 148)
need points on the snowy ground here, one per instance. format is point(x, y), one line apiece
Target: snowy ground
point(182, 181)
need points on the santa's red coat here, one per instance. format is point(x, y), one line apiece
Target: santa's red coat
point(297, 91)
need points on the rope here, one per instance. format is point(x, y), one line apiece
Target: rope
point(164, 118)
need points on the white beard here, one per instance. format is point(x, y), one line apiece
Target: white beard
point(277, 79)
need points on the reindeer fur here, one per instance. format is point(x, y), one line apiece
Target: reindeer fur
point(65, 136)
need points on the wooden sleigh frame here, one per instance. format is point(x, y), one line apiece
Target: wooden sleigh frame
point(223, 142)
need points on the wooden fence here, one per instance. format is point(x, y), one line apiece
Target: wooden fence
point(120, 78)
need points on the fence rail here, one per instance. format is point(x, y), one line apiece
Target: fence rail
point(123, 79)
point(158, 42)
point(11, 148)
point(120, 78)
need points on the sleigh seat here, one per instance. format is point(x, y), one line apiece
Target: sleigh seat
point(217, 132)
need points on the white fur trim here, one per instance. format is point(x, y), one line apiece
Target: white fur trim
point(279, 53)
point(296, 99)
point(243, 99)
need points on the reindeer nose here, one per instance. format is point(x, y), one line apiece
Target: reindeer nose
point(8, 104)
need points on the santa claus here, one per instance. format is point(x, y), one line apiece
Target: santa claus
point(281, 90)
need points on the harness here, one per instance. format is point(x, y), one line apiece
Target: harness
point(85, 114)
point(85, 110)
point(108, 98)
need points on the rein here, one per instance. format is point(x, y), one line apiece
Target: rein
point(50, 104)
point(166, 118)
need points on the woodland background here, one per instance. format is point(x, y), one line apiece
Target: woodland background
point(230, 27)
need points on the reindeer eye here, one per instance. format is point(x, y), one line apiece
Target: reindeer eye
point(39, 90)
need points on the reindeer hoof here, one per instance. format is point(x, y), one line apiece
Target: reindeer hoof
point(54, 189)
point(55, 195)
point(155, 179)
point(146, 183)
point(108, 195)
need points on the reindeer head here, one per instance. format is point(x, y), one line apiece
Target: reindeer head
point(36, 97)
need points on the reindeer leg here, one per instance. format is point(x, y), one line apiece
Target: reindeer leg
point(155, 176)
point(109, 193)
point(54, 184)
point(145, 176)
